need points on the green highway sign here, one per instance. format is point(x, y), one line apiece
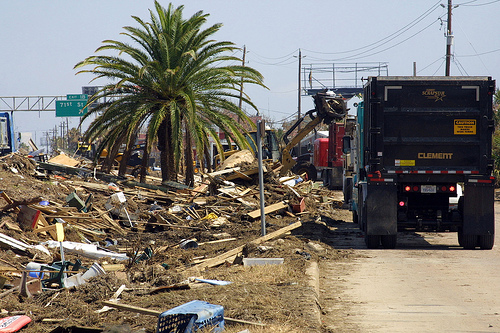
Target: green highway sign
point(71, 108)
point(78, 96)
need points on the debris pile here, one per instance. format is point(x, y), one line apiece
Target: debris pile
point(75, 241)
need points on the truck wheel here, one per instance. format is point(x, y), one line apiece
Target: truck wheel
point(389, 241)
point(354, 217)
point(486, 242)
point(468, 242)
point(308, 168)
point(372, 241)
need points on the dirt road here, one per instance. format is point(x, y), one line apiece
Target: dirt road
point(427, 284)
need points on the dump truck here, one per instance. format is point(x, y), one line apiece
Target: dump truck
point(417, 142)
point(7, 141)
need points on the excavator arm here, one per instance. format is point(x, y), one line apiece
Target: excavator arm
point(327, 108)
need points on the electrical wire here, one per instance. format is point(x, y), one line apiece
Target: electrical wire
point(478, 54)
point(439, 67)
point(459, 66)
point(354, 57)
point(276, 58)
point(479, 4)
point(423, 69)
point(470, 43)
point(397, 33)
point(279, 63)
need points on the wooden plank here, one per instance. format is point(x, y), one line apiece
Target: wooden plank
point(132, 308)
point(115, 225)
point(222, 172)
point(155, 313)
point(247, 173)
point(269, 209)
point(237, 195)
point(64, 160)
point(223, 257)
point(41, 220)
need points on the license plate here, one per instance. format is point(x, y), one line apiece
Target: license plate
point(428, 189)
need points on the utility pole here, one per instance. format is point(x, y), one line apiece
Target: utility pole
point(299, 102)
point(449, 40)
point(241, 88)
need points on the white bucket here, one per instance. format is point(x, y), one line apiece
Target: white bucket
point(74, 281)
point(94, 270)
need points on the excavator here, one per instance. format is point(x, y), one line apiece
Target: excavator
point(328, 108)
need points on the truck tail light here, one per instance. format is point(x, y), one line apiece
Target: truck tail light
point(415, 188)
point(453, 188)
point(407, 188)
point(402, 204)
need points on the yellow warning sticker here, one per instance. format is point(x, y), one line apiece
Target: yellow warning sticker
point(404, 162)
point(464, 127)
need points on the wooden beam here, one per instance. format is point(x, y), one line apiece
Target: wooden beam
point(155, 313)
point(223, 257)
point(269, 209)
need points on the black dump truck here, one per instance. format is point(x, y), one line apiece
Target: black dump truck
point(422, 153)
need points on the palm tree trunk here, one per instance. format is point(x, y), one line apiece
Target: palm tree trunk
point(126, 155)
point(166, 151)
point(112, 152)
point(145, 161)
point(188, 158)
point(207, 163)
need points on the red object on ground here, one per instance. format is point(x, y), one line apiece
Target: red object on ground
point(13, 324)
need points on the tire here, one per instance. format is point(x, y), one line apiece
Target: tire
point(486, 242)
point(372, 241)
point(389, 241)
point(354, 217)
point(308, 168)
point(468, 242)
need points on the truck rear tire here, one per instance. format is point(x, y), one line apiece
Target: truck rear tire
point(389, 241)
point(486, 242)
point(468, 242)
point(372, 241)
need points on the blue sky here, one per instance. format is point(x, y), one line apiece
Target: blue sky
point(42, 40)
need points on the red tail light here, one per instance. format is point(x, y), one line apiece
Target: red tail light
point(401, 204)
point(407, 188)
point(452, 188)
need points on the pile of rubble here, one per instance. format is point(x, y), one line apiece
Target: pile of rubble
point(74, 240)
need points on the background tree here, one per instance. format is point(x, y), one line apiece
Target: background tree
point(174, 80)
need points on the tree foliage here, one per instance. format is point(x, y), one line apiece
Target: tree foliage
point(171, 78)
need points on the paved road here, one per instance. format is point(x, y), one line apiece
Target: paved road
point(427, 284)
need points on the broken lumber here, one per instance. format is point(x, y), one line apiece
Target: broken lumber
point(223, 257)
point(269, 209)
point(155, 313)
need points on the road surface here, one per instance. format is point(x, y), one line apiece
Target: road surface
point(427, 284)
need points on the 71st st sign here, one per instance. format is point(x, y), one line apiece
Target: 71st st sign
point(72, 107)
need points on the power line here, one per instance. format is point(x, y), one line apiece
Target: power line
point(354, 57)
point(465, 4)
point(397, 33)
point(478, 54)
point(275, 58)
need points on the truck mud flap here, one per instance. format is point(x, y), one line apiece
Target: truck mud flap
point(380, 209)
point(478, 211)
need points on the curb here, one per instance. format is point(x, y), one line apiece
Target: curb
point(313, 273)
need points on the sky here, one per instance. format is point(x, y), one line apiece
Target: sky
point(42, 40)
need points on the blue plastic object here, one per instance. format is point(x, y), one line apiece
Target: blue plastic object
point(191, 317)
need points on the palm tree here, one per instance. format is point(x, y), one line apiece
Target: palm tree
point(173, 80)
